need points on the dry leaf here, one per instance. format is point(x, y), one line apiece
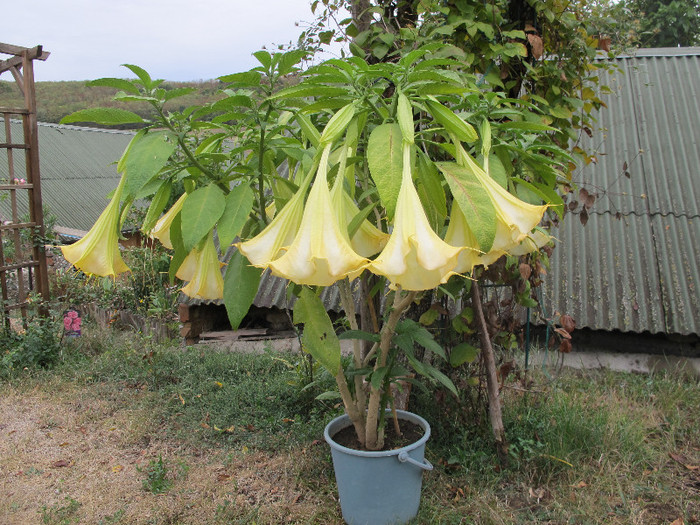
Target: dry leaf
point(580, 485)
point(525, 271)
point(117, 468)
point(60, 463)
point(537, 45)
point(679, 521)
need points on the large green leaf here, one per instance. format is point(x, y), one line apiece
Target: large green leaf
point(117, 83)
point(104, 116)
point(384, 156)
point(240, 288)
point(239, 203)
point(319, 338)
point(202, 209)
point(474, 202)
point(146, 157)
point(452, 122)
point(463, 353)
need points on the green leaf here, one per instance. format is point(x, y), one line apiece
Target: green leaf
point(377, 377)
point(452, 122)
point(473, 200)
point(241, 284)
point(232, 102)
point(244, 79)
point(430, 179)
point(116, 83)
point(264, 58)
point(239, 203)
point(384, 156)
point(160, 200)
point(201, 211)
point(429, 317)
point(404, 114)
point(178, 92)
point(179, 249)
point(463, 353)
point(142, 74)
point(104, 116)
point(337, 124)
point(147, 155)
point(318, 338)
point(308, 129)
point(310, 90)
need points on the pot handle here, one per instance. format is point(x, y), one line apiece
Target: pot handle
point(405, 458)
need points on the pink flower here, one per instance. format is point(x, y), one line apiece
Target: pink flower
point(72, 314)
point(67, 323)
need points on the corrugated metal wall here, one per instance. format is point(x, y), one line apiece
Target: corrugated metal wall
point(639, 272)
point(77, 170)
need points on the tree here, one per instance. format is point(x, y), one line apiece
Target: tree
point(667, 23)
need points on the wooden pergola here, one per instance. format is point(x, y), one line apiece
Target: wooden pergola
point(22, 264)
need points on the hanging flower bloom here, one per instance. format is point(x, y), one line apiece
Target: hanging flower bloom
point(320, 253)
point(460, 234)
point(532, 242)
point(368, 239)
point(267, 246)
point(161, 230)
point(415, 257)
point(98, 252)
point(203, 271)
point(515, 218)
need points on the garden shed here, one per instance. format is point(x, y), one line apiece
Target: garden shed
point(631, 276)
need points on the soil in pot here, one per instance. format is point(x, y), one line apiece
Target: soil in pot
point(410, 433)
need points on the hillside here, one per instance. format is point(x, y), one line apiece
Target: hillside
point(58, 99)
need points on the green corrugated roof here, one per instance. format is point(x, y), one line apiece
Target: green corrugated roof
point(77, 171)
point(635, 266)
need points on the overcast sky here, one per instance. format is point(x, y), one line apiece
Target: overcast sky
point(171, 39)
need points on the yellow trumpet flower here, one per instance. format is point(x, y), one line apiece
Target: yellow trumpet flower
point(161, 230)
point(203, 271)
point(268, 245)
point(460, 234)
point(532, 242)
point(320, 253)
point(515, 218)
point(368, 239)
point(415, 257)
point(98, 252)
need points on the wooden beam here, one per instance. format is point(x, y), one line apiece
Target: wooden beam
point(33, 53)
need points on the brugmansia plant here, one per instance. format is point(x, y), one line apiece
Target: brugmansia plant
point(405, 174)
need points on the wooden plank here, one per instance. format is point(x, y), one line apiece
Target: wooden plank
point(14, 111)
point(17, 225)
point(19, 266)
point(34, 53)
point(5, 145)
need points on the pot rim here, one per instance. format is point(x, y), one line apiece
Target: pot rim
point(343, 421)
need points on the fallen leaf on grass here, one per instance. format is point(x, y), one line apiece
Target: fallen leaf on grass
point(64, 444)
point(117, 468)
point(679, 521)
point(61, 463)
point(580, 485)
point(223, 477)
point(682, 460)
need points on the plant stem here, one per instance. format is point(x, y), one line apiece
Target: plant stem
point(348, 302)
point(372, 441)
point(495, 414)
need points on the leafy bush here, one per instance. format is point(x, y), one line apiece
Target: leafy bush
point(38, 345)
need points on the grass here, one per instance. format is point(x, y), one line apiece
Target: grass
point(163, 434)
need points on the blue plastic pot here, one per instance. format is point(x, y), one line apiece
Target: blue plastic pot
point(379, 488)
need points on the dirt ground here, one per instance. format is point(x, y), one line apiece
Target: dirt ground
point(75, 457)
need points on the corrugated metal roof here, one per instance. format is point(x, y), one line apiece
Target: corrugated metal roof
point(77, 170)
point(641, 272)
